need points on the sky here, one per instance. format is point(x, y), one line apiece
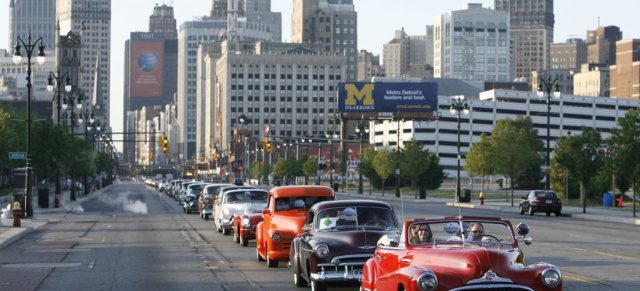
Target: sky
point(377, 22)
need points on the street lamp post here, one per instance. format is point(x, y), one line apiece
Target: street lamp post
point(330, 164)
point(362, 128)
point(58, 98)
point(459, 106)
point(86, 116)
point(17, 58)
point(398, 118)
point(547, 86)
point(73, 98)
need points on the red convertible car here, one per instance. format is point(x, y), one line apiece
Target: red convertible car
point(457, 253)
point(244, 225)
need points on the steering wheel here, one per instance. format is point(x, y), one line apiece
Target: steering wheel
point(376, 221)
point(491, 238)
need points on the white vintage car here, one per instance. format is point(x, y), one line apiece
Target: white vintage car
point(232, 203)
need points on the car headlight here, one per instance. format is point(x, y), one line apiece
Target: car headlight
point(551, 277)
point(275, 238)
point(188, 199)
point(427, 281)
point(321, 250)
point(226, 211)
point(245, 222)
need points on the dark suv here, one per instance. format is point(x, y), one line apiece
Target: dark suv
point(541, 201)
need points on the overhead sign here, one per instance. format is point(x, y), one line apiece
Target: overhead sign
point(363, 97)
point(17, 156)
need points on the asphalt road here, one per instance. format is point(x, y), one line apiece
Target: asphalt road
point(135, 238)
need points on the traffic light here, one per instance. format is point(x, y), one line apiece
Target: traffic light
point(165, 145)
point(268, 147)
point(215, 156)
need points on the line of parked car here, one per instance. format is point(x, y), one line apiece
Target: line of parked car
point(328, 242)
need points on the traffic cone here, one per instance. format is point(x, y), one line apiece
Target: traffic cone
point(620, 202)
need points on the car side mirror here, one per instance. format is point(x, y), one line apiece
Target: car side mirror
point(523, 229)
point(526, 239)
point(305, 228)
point(266, 212)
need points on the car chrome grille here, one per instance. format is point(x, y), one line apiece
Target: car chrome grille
point(493, 287)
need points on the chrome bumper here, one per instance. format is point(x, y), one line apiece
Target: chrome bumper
point(337, 271)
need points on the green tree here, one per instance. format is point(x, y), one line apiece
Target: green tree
point(479, 159)
point(626, 155)
point(514, 150)
point(279, 168)
point(412, 162)
point(255, 170)
point(384, 165)
point(310, 168)
point(579, 154)
point(433, 175)
point(365, 166)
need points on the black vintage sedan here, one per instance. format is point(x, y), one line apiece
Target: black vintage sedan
point(541, 201)
point(337, 239)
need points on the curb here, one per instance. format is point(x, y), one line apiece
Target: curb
point(392, 197)
point(471, 205)
point(14, 234)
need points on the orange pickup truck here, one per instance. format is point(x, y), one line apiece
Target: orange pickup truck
point(286, 212)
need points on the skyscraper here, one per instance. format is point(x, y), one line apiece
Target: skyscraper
point(472, 44)
point(532, 23)
point(163, 21)
point(35, 16)
point(403, 51)
point(94, 18)
point(332, 23)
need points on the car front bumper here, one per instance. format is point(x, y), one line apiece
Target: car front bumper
point(341, 269)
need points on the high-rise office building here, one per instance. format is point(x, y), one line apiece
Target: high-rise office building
point(569, 55)
point(332, 23)
point(369, 66)
point(532, 23)
point(625, 74)
point(602, 44)
point(163, 21)
point(35, 16)
point(472, 44)
point(94, 18)
point(403, 51)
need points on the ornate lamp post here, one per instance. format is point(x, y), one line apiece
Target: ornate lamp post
point(459, 106)
point(29, 48)
point(362, 128)
point(58, 98)
point(547, 86)
point(73, 99)
point(86, 116)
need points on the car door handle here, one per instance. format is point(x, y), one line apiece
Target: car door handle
point(406, 261)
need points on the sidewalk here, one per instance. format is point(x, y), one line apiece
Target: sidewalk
point(41, 216)
point(593, 213)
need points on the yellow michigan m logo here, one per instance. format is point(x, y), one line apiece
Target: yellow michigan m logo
point(365, 95)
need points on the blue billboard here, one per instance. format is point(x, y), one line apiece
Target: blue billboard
point(387, 97)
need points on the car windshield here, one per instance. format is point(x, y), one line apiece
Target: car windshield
point(299, 202)
point(355, 217)
point(245, 196)
point(546, 194)
point(254, 208)
point(457, 232)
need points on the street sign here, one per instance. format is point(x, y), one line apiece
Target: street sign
point(17, 155)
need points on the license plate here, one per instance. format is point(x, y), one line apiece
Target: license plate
point(549, 201)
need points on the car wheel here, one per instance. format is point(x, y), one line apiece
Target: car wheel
point(521, 210)
point(206, 217)
point(218, 228)
point(548, 213)
point(318, 286)
point(558, 213)
point(260, 259)
point(188, 211)
point(244, 242)
point(184, 210)
point(271, 263)
point(531, 212)
point(226, 231)
point(236, 238)
point(298, 280)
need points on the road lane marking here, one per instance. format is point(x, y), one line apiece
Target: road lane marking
point(58, 251)
point(579, 279)
point(92, 264)
point(41, 265)
point(626, 258)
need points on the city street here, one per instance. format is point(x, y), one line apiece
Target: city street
point(133, 237)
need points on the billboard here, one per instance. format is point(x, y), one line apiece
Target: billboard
point(146, 69)
point(360, 98)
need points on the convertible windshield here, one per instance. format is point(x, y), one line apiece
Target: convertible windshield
point(254, 208)
point(246, 196)
point(468, 231)
point(355, 217)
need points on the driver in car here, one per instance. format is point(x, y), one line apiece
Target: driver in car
point(477, 232)
point(376, 220)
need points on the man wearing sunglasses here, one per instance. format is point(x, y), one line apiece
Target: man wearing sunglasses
point(477, 231)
